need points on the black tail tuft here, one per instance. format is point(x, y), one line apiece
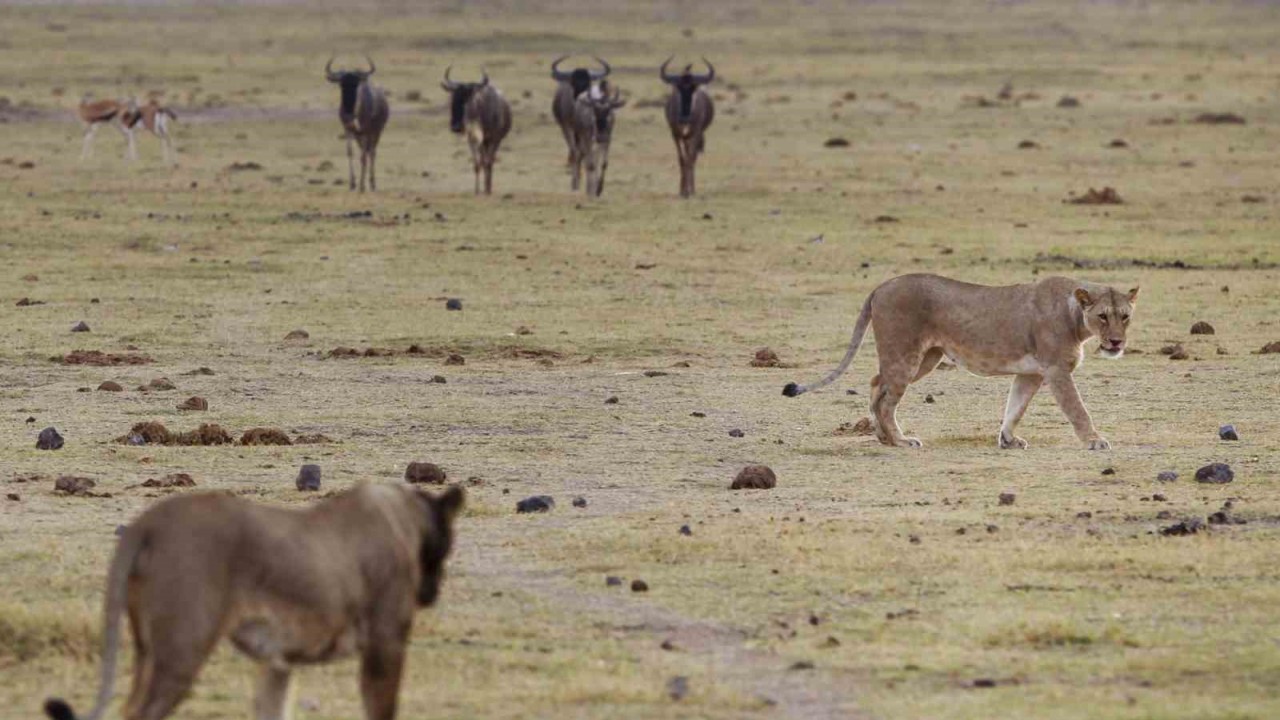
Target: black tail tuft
point(791, 390)
point(58, 709)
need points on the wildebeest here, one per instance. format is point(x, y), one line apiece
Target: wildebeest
point(363, 112)
point(592, 130)
point(154, 117)
point(570, 86)
point(689, 114)
point(479, 110)
point(96, 113)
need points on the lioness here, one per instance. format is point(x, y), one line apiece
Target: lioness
point(290, 587)
point(1035, 332)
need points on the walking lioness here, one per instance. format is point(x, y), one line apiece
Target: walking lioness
point(1035, 332)
point(289, 587)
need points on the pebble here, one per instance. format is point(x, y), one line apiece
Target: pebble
point(1166, 476)
point(81, 326)
point(612, 581)
point(1007, 498)
point(639, 586)
point(453, 304)
point(49, 440)
point(1228, 432)
point(308, 478)
point(1217, 473)
point(685, 530)
point(579, 502)
point(536, 503)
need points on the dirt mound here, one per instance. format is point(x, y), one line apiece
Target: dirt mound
point(174, 480)
point(1270, 348)
point(766, 357)
point(72, 485)
point(99, 358)
point(147, 433)
point(1225, 118)
point(264, 436)
point(194, 402)
point(1202, 328)
point(159, 383)
point(862, 427)
point(312, 439)
point(425, 473)
point(754, 477)
point(297, 335)
point(111, 386)
point(206, 434)
point(344, 352)
point(1106, 196)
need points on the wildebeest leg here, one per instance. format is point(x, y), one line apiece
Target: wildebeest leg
point(364, 161)
point(575, 162)
point(1020, 393)
point(274, 690)
point(683, 167)
point(86, 149)
point(569, 140)
point(604, 165)
point(490, 156)
point(475, 159)
point(591, 172)
point(351, 162)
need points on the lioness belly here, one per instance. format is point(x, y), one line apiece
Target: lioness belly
point(282, 643)
point(988, 366)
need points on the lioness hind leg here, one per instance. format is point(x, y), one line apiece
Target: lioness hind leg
point(884, 408)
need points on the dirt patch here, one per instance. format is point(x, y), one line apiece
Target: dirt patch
point(244, 166)
point(111, 386)
point(99, 358)
point(80, 486)
point(313, 439)
point(206, 434)
point(265, 436)
point(766, 357)
point(194, 402)
point(425, 473)
point(174, 480)
point(1270, 348)
point(1225, 118)
point(1105, 196)
point(862, 427)
point(754, 477)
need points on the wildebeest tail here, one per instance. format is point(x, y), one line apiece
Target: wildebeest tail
point(864, 319)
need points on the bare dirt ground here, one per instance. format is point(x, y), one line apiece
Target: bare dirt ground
point(607, 349)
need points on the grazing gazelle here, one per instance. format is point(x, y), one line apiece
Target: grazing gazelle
point(96, 113)
point(154, 117)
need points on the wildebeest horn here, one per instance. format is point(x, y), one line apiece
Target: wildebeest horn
point(711, 74)
point(662, 71)
point(601, 75)
point(448, 84)
point(329, 74)
point(558, 74)
point(372, 67)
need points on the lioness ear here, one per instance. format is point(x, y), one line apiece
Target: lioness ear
point(1083, 297)
point(450, 501)
point(1133, 295)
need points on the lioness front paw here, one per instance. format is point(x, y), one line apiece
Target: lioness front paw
point(1099, 443)
point(912, 442)
point(1012, 442)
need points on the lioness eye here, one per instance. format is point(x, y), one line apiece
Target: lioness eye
point(1103, 317)
point(1124, 318)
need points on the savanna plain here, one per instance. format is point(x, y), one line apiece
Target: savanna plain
point(871, 582)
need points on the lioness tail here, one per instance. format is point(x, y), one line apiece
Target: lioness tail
point(792, 389)
point(113, 607)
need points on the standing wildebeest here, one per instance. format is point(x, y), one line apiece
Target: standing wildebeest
point(479, 110)
point(571, 85)
point(364, 112)
point(592, 129)
point(689, 114)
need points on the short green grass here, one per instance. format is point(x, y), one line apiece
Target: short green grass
point(919, 583)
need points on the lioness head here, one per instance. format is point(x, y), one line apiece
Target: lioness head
point(438, 540)
point(1106, 315)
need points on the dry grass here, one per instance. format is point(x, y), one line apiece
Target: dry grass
point(1070, 616)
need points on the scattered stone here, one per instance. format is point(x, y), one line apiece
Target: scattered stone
point(755, 477)
point(639, 586)
point(1175, 351)
point(612, 581)
point(453, 304)
point(686, 530)
point(49, 439)
point(1189, 526)
point(455, 359)
point(1166, 476)
point(836, 142)
point(99, 358)
point(81, 326)
point(1216, 473)
point(677, 687)
point(28, 302)
point(1225, 118)
point(1067, 101)
point(862, 427)
point(1202, 328)
point(425, 473)
point(111, 386)
point(766, 357)
point(312, 439)
point(264, 436)
point(1105, 196)
point(308, 478)
point(297, 335)
point(1270, 348)
point(14, 497)
point(1007, 498)
point(206, 434)
point(611, 400)
point(1228, 432)
point(928, 399)
point(1109, 471)
point(579, 502)
point(71, 485)
point(194, 402)
point(438, 379)
point(736, 433)
point(174, 480)
point(536, 504)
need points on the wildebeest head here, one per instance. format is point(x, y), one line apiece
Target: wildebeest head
point(579, 79)
point(349, 81)
point(460, 95)
point(686, 83)
point(437, 541)
point(603, 108)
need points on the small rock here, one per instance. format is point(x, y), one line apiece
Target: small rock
point(754, 477)
point(579, 502)
point(536, 504)
point(71, 485)
point(736, 433)
point(111, 386)
point(1175, 351)
point(297, 335)
point(1202, 328)
point(986, 682)
point(1217, 473)
point(1084, 515)
point(765, 357)
point(639, 586)
point(424, 473)
point(1067, 101)
point(655, 373)
point(455, 359)
point(667, 645)
point(1157, 497)
point(697, 414)
point(612, 581)
point(611, 400)
point(836, 142)
point(1109, 471)
point(438, 379)
point(171, 481)
point(913, 539)
point(929, 399)
point(308, 478)
point(1164, 515)
point(160, 383)
point(81, 326)
point(1228, 432)
point(1007, 498)
point(1166, 476)
point(194, 402)
point(801, 665)
point(685, 530)
point(49, 440)
point(453, 304)
point(993, 529)
point(1190, 526)
point(678, 687)
point(265, 436)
